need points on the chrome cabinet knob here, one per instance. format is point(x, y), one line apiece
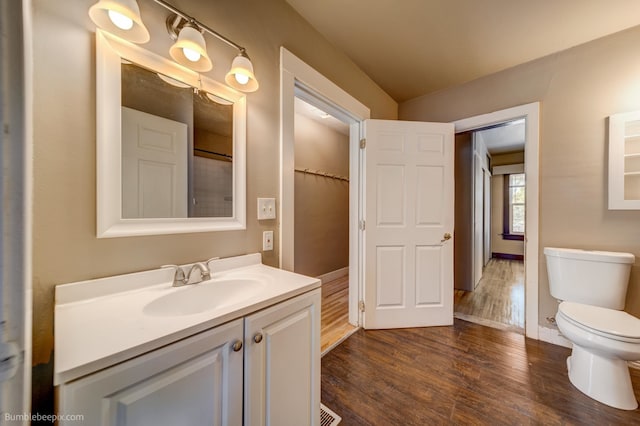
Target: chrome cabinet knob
point(257, 337)
point(237, 345)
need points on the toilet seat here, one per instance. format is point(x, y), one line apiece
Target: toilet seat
point(609, 323)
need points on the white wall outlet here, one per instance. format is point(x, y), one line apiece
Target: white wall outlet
point(266, 208)
point(267, 240)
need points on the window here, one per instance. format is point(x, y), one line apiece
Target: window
point(516, 204)
point(513, 207)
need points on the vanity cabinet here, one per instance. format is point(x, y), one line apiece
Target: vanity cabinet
point(282, 363)
point(196, 381)
point(263, 368)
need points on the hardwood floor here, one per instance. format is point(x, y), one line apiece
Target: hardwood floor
point(498, 299)
point(462, 374)
point(334, 319)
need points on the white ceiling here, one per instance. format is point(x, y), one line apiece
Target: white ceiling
point(508, 137)
point(414, 47)
point(319, 116)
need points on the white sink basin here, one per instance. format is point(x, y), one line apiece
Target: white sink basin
point(202, 297)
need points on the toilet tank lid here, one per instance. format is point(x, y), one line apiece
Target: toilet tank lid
point(590, 255)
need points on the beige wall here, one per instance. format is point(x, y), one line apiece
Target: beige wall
point(65, 245)
point(321, 203)
point(578, 89)
point(507, 158)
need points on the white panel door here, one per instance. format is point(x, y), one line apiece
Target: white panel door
point(154, 166)
point(408, 224)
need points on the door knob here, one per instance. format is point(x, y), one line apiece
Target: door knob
point(445, 237)
point(237, 345)
point(257, 338)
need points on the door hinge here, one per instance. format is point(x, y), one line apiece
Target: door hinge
point(362, 225)
point(363, 143)
point(361, 305)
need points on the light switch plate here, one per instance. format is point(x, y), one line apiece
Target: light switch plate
point(267, 240)
point(266, 208)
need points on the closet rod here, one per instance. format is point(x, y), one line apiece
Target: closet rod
point(320, 173)
point(230, 157)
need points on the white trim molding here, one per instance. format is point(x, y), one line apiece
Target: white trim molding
point(334, 275)
point(508, 169)
point(299, 79)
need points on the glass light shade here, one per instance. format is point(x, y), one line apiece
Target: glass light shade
point(127, 10)
point(242, 70)
point(192, 40)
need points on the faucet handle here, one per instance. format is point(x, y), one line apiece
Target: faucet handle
point(213, 258)
point(178, 273)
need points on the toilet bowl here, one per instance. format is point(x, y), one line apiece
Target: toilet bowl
point(592, 286)
point(603, 341)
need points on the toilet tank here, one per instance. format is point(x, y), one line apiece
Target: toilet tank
point(598, 278)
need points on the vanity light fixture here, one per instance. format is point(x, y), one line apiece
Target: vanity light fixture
point(121, 18)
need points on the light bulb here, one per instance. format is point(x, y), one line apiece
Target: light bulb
point(242, 78)
point(190, 54)
point(120, 21)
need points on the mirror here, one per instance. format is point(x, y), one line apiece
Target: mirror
point(624, 161)
point(170, 158)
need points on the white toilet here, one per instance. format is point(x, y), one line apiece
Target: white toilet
point(592, 286)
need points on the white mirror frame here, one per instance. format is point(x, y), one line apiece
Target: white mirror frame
point(109, 51)
point(617, 124)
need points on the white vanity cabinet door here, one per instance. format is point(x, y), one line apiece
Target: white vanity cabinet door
point(196, 381)
point(282, 363)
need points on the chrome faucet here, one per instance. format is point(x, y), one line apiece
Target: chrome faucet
point(205, 274)
point(180, 279)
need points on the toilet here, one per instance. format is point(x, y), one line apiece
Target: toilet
point(592, 287)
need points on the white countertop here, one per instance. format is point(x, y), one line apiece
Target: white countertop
point(100, 323)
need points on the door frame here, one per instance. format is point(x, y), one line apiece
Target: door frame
point(531, 113)
point(16, 155)
point(298, 79)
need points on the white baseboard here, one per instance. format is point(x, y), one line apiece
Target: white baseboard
point(552, 335)
point(334, 275)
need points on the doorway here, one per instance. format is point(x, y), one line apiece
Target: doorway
point(531, 114)
point(490, 225)
point(321, 213)
point(300, 81)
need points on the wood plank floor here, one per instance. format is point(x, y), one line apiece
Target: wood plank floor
point(498, 299)
point(334, 319)
point(462, 374)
